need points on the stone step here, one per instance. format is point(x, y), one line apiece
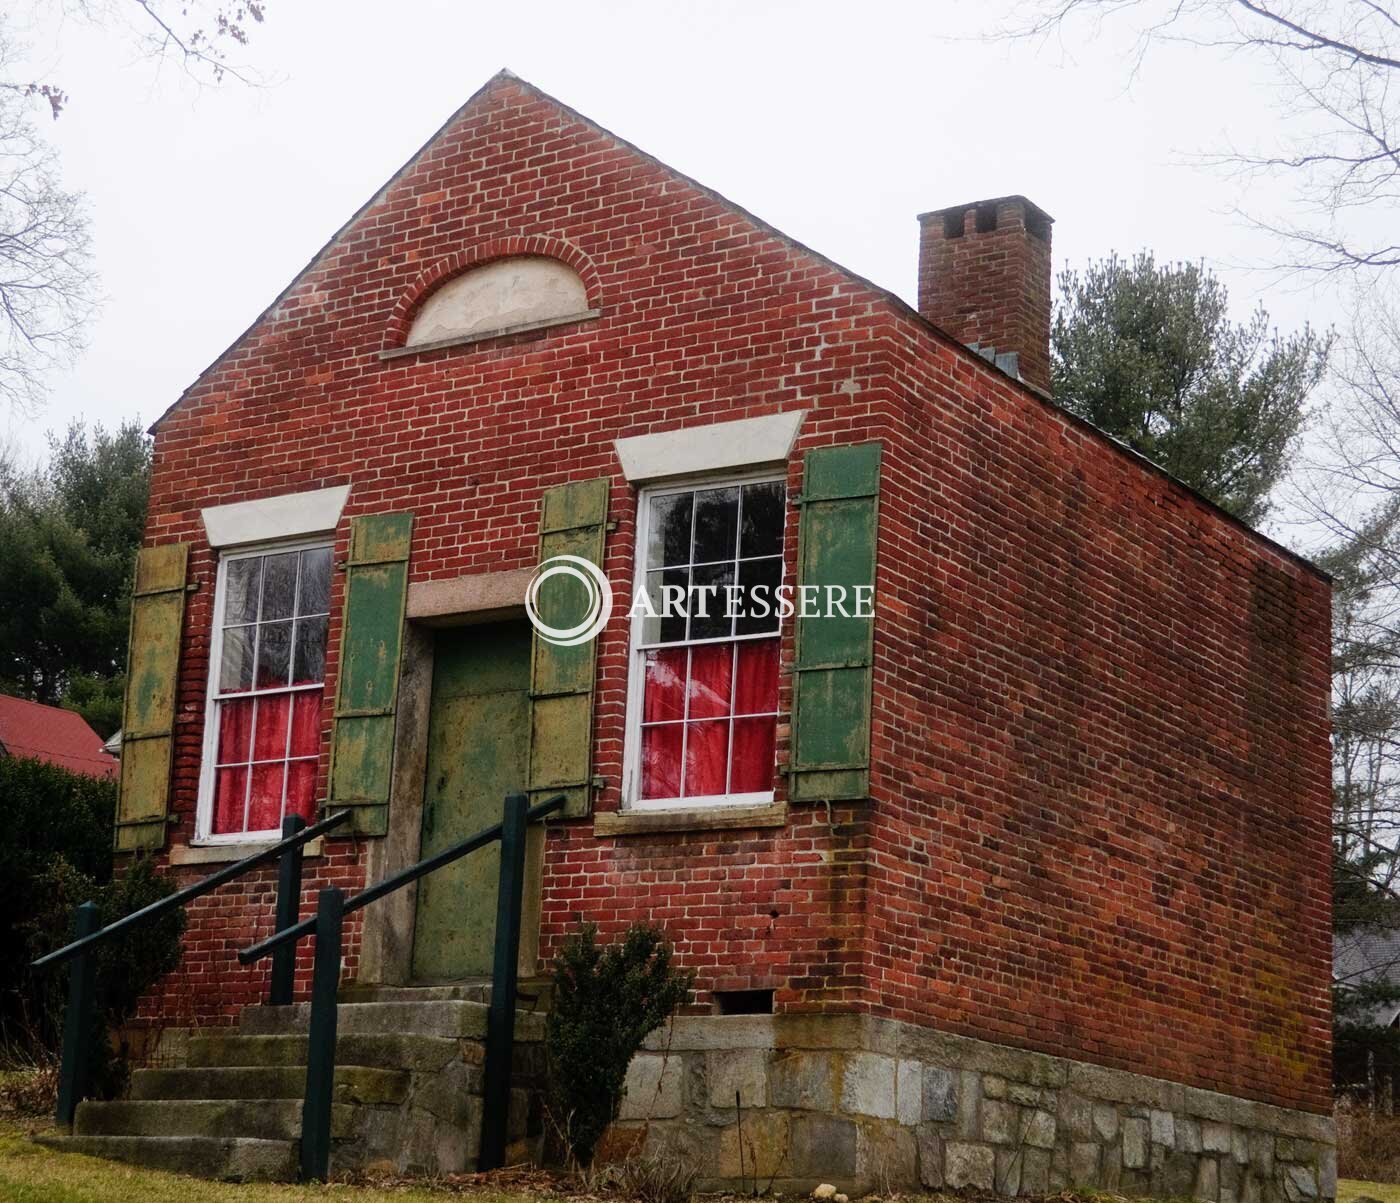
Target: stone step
point(257, 1119)
point(232, 1158)
point(355, 992)
point(533, 993)
point(353, 1083)
point(453, 1018)
point(414, 1053)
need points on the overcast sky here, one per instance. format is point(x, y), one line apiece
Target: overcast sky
point(836, 122)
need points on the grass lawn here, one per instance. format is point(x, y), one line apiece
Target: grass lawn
point(1349, 1189)
point(30, 1173)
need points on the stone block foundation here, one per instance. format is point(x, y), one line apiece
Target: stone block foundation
point(872, 1104)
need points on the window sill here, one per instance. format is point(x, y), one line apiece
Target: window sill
point(218, 854)
point(481, 336)
point(718, 818)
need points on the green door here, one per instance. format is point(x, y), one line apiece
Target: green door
point(477, 732)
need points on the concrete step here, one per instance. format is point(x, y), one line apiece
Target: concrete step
point(221, 1049)
point(353, 1083)
point(232, 1158)
point(452, 1018)
point(257, 1119)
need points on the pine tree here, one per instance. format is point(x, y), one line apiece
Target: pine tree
point(1150, 355)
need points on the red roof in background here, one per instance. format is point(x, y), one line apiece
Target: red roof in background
point(37, 732)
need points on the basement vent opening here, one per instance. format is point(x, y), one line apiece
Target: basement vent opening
point(744, 1002)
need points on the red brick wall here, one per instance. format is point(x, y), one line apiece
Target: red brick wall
point(1073, 655)
point(1105, 787)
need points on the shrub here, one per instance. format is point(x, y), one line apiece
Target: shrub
point(127, 965)
point(130, 964)
point(606, 1000)
point(46, 813)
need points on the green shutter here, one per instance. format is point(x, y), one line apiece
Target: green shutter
point(833, 673)
point(148, 718)
point(573, 521)
point(371, 642)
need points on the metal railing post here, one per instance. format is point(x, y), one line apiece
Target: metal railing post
point(500, 1020)
point(284, 960)
point(78, 1020)
point(320, 1053)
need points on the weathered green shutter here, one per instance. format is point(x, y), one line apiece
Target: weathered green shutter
point(831, 693)
point(573, 521)
point(148, 718)
point(371, 641)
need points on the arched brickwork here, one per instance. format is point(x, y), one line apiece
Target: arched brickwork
point(477, 256)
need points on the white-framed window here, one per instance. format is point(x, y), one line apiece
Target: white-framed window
point(267, 668)
point(703, 680)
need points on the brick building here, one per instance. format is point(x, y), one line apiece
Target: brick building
point(1022, 881)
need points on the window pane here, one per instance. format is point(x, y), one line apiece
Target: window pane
point(663, 697)
point(661, 761)
point(709, 618)
point(668, 530)
point(710, 529)
point(706, 758)
point(306, 723)
point(669, 625)
point(235, 731)
point(310, 662)
point(759, 581)
point(711, 673)
point(274, 654)
point(242, 580)
point(236, 671)
point(265, 797)
point(762, 533)
point(756, 691)
point(270, 736)
point(279, 585)
point(315, 589)
point(752, 771)
point(230, 786)
point(301, 788)
point(716, 524)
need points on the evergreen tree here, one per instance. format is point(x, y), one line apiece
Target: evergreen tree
point(1149, 354)
point(69, 534)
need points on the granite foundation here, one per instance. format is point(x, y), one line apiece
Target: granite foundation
point(869, 1104)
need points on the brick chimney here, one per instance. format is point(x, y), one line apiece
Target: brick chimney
point(984, 277)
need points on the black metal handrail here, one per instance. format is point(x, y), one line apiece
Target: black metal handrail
point(328, 926)
point(79, 1015)
point(302, 835)
point(487, 835)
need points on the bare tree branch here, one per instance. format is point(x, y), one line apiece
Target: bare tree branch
point(1338, 67)
point(45, 270)
point(200, 34)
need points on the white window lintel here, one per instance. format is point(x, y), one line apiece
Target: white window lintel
point(716, 447)
point(288, 516)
